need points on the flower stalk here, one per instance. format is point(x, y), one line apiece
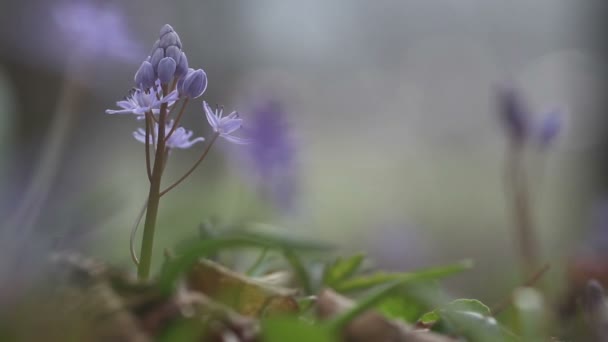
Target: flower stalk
point(162, 81)
point(145, 257)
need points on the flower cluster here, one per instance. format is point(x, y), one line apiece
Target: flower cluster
point(163, 79)
point(517, 120)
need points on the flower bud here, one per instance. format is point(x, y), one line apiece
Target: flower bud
point(182, 66)
point(166, 70)
point(174, 52)
point(166, 29)
point(157, 55)
point(194, 84)
point(168, 37)
point(154, 46)
point(144, 77)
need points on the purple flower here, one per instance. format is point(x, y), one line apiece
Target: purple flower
point(193, 85)
point(179, 139)
point(224, 125)
point(272, 154)
point(513, 113)
point(168, 46)
point(550, 127)
point(144, 77)
point(95, 30)
point(140, 101)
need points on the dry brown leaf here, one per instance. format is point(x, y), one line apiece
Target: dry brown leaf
point(247, 296)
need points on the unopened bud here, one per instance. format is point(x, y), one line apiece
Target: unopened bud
point(182, 66)
point(166, 70)
point(157, 55)
point(144, 77)
point(194, 84)
point(168, 37)
point(174, 52)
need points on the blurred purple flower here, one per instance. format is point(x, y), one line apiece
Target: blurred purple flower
point(272, 154)
point(95, 30)
point(514, 113)
point(550, 127)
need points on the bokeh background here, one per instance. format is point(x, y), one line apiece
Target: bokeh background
point(388, 107)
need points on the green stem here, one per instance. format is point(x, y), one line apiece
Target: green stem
point(149, 127)
point(177, 182)
point(177, 119)
point(145, 258)
point(522, 210)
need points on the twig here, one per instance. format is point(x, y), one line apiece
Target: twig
point(502, 305)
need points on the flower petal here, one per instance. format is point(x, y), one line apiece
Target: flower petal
point(236, 140)
point(213, 120)
point(188, 144)
point(231, 125)
point(120, 111)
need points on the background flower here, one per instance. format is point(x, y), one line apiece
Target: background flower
point(271, 155)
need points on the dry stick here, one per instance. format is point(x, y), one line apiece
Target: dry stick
point(177, 119)
point(516, 180)
point(531, 281)
point(176, 183)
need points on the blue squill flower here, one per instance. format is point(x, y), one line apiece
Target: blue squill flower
point(272, 154)
point(550, 127)
point(168, 45)
point(144, 77)
point(193, 85)
point(179, 139)
point(95, 30)
point(224, 125)
point(514, 114)
point(140, 102)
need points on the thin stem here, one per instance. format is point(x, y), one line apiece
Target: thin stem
point(134, 231)
point(176, 183)
point(40, 185)
point(500, 307)
point(177, 119)
point(154, 118)
point(251, 271)
point(148, 128)
point(516, 181)
point(145, 259)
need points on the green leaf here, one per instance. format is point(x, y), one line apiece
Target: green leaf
point(458, 305)
point(281, 329)
point(201, 249)
point(341, 269)
point(469, 305)
point(368, 281)
point(299, 269)
point(365, 304)
point(429, 317)
point(290, 242)
point(469, 318)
